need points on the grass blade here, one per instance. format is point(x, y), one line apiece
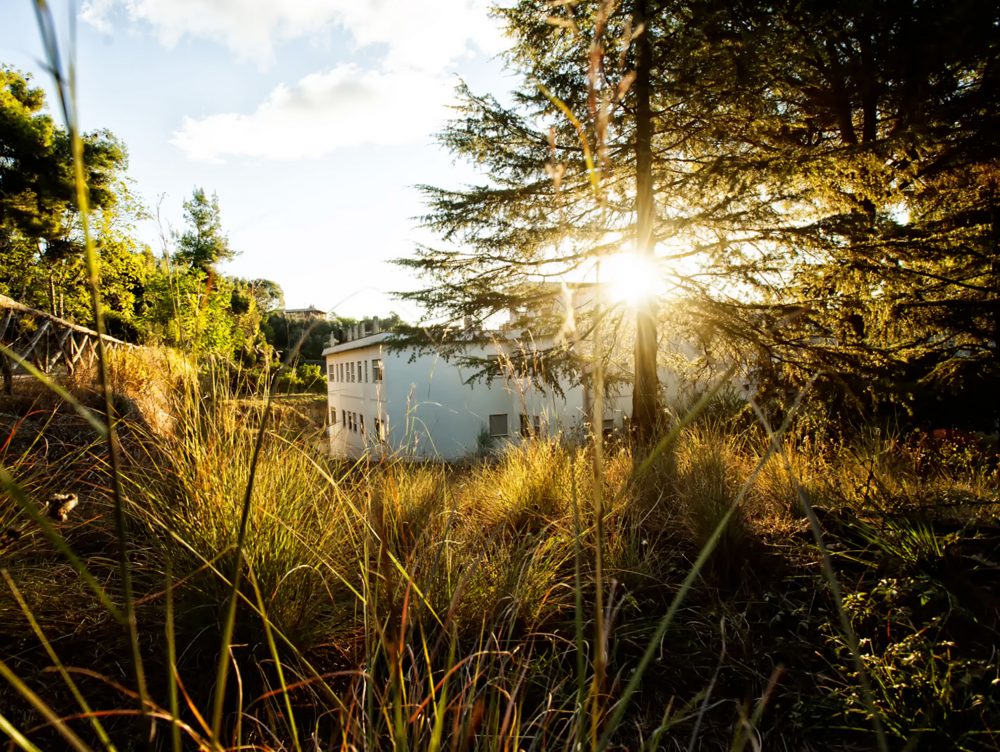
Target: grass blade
point(67, 96)
point(16, 736)
point(43, 709)
point(67, 679)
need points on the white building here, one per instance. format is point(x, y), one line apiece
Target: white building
point(419, 405)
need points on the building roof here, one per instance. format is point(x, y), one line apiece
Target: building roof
point(357, 344)
point(310, 309)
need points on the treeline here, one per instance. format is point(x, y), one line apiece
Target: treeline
point(177, 297)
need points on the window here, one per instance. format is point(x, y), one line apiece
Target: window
point(531, 425)
point(333, 416)
point(359, 370)
point(355, 422)
point(498, 425)
point(376, 369)
point(362, 418)
point(351, 376)
point(331, 372)
point(366, 371)
point(340, 372)
point(379, 430)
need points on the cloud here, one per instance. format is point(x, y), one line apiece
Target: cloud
point(343, 107)
point(422, 34)
point(97, 13)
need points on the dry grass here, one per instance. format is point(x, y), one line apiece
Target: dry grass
point(427, 606)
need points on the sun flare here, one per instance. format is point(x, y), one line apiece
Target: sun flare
point(631, 278)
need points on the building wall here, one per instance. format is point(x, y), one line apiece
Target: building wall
point(360, 398)
point(429, 412)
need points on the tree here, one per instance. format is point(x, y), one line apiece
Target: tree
point(832, 165)
point(645, 389)
point(569, 168)
point(40, 243)
point(848, 154)
point(269, 295)
point(203, 244)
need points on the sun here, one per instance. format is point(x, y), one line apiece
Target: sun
point(631, 278)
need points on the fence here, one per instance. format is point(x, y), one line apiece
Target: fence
point(45, 341)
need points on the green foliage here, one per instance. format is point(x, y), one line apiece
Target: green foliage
point(268, 294)
point(203, 244)
point(843, 156)
point(41, 260)
point(187, 305)
point(304, 340)
point(304, 377)
point(203, 313)
point(923, 649)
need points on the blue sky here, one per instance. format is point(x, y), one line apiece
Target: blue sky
point(311, 119)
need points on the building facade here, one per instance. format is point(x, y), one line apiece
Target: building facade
point(418, 405)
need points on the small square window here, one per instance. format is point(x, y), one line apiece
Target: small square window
point(531, 425)
point(498, 425)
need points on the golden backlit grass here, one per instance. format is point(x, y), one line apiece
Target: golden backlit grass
point(385, 604)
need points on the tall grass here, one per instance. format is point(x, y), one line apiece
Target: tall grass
point(388, 605)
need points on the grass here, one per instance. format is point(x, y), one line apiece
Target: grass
point(389, 605)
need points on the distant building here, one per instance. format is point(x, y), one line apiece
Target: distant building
point(305, 314)
point(415, 403)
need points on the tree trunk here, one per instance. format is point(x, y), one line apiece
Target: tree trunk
point(645, 394)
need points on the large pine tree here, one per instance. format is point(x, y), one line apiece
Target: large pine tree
point(833, 167)
point(568, 169)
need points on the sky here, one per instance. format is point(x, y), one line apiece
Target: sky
point(313, 121)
